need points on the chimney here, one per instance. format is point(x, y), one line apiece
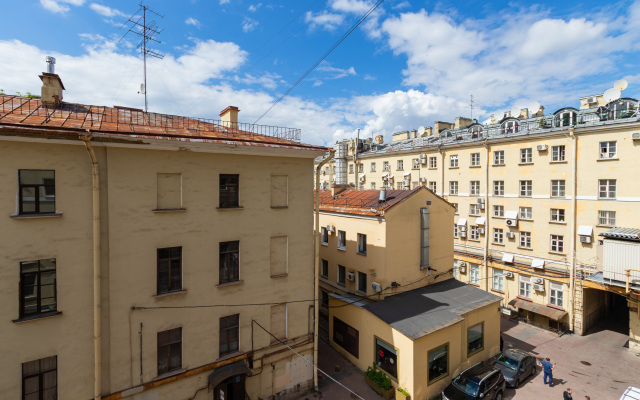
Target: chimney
point(229, 117)
point(462, 122)
point(52, 87)
point(413, 134)
point(337, 189)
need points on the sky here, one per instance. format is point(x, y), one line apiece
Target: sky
point(410, 63)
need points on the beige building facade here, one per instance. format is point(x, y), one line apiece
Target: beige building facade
point(203, 258)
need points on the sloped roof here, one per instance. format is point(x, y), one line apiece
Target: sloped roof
point(68, 119)
point(362, 202)
point(622, 234)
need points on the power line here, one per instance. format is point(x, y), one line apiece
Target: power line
point(336, 44)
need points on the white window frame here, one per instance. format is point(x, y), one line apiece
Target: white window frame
point(433, 162)
point(360, 248)
point(400, 165)
point(453, 161)
point(558, 215)
point(608, 150)
point(557, 243)
point(498, 188)
point(385, 166)
point(524, 286)
point(373, 167)
point(373, 186)
point(343, 245)
point(607, 189)
point(453, 188)
point(475, 159)
point(556, 294)
point(498, 211)
point(606, 218)
point(525, 240)
point(474, 209)
point(498, 235)
point(498, 157)
point(455, 230)
point(433, 185)
point(558, 153)
point(526, 156)
point(456, 208)
point(498, 280)
point(351, 168)
point(415, 163)
point(558, 188)
point(473, 232)
point(525, 212)
point(526, 188)
point(474, 273)
point(474, 188)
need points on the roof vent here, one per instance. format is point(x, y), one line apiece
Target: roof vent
point(383, 195)
point(51, 62)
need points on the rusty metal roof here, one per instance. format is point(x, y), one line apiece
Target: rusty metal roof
point(363, 202)
point(67, 119)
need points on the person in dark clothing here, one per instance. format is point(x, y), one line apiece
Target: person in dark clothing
point(547, 368)
point(567, 394)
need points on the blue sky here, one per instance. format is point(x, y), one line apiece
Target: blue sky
point(411, 63)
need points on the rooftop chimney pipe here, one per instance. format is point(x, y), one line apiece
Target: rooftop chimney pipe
point(51, 62)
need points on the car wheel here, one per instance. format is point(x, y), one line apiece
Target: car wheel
point(515, 386)
point(499, 396)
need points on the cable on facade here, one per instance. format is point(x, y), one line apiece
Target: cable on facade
point(219, 305)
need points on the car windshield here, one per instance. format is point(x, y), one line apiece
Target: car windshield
point(507, 362)
point(466, 385)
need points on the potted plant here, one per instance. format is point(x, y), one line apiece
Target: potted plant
point(402, 394)
point(379, 381)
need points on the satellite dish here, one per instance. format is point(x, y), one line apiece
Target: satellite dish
point(621, 84)
point(515, 112)
point(142, 88)
point(421, 130)
point(534, 107)
point(379, 139)
point(611, 95)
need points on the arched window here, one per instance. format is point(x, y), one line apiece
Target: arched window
point(622, 108)
point(475, 131)
point(565, 117)
point(510, 126)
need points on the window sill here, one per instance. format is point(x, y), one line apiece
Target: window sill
point(230, 355)
point(324, 276)
point(341, 284)
point(606, 198)
point(558, 162)
point(475, 166)
point(525, 248)
point(454, 167)
point(400, 169)
point(56, 214)
point(474, 352)
point(324, 244)
point(473, 240)
point(361, 253)
point(557, 252)
point(234, 283)
point(169, 294)
point(170, 374)
point(280, 275)
point(498, 216)
point(37, 317)
point(438, 379)
point(608, 159)
point(558, 222)
point(525, 163)
point(229, 208)
point(473, 284)
point(497, 244)
point(415, 168)
point(497, 291)
point(278, 207)
point(497, 165)
point(556, 307)
point(604, 226)
point(342, 248)
point(525, 219)
point(526, 196)
point(433, 168)
point(474, 215)
point(168, 210)
point(524, 298)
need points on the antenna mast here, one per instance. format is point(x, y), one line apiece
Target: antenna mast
point(146, 32)
point(471, 105)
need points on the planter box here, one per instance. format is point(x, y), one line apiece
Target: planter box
point(387, 394)
point(400, 396)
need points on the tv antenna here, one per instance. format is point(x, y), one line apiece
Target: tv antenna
point(147, 32)
point(471, 105)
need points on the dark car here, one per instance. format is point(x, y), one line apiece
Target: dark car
point(516, 366)
point(482, 381)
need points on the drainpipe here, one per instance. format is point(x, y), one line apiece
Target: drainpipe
point(316, 270)
point(574, 201)
point(97, 368)
point(442, 165)
point(355, 161)
point(486, 219)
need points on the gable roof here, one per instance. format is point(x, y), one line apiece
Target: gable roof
point(362, 202)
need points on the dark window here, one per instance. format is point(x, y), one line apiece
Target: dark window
point(387, 358)
point(475, 339)
point(37, 191)
point(169, 350)
point(169, 269)
point(342, 271)
point(324, 271)
point(37, 287)
point(229, 191)
point(346, 337)
point(362, 243)
point(229, 261)
point(325, 299)
point(438, 362)
point(40, 379)
point(362, 282)
point(229, 334)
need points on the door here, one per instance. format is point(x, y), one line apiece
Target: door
point(230, 389)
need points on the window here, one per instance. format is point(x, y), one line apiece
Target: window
point(474, 209)
point(385, 165)
point(362, 243)
point(498, 188)
point(498, 235)
point(351, 168)
point(498, 279)
point(475, 339)
point(498, 211)
point(453, 187)
point(279, 255)
point(526, 188)
point(169, 270)
point(475, 159)
point(360, 167)
point(324, 269)
point(324, 236)
point(557, 215)
point(474, 273)
point(473, 233)
point(37, 287)
point(169, 350)
point(415, 163)
point(557, 153)
point(279, 191)
point(324, 300)
point(438, 362)
point(40, 379)
point(342, 240)
point(400, 164)
point(474, 188)
point(455, 230)
point(557, 243)
point(229, 334)
point(373, 167)
point(453, 161)
point(346, 337)
point(169, 191)
point(387, 358)
point(608, 150)
point(607, 189)
point(455, 205)
point(556, 294)
point(229, 261)
point(557, 188)
point(525, 239)
point(566, 118)
point(229, 191)
point(526, 212)
point(525, 287)
point(373, 186)
point(607, 218)
point(341, 274)
point(498, 157)
point(362, 282)
point(526, 156)
point(278, 323)
point(509, 127)
point(433, 162)
point(37, 191)
point(433, 186)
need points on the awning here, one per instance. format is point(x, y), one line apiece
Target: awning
point(511, 214)
point(407, 174)
point(462, 221)
point(219, 375)
point(385, 175)
point(585, 230)
point(507, 257)
point(537, 263)
point(480, 221)
point(547, 311)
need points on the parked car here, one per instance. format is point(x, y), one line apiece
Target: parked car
point(482, 381)
point(516, 366)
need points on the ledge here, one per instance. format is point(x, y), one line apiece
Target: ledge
point(280, 275)
point(361, 253)
point(170, 373)
point(454, 167)
point(497, 291)
point(169, 294)
point(559, 162)
point(278, 207)
point(525, 163)
point(498, 165)
point(168, 210)
point(475, 166)
point(229, 355)
point(35, 317)
point(229, 208)
point(526, 248)
point(608, 159)
point(556, 307)
point(557, 252)
point(558, 222)
point(341, 248)
point(56, 214)
point(234, 283)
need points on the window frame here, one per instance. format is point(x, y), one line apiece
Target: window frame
point(324, 268)
point(362, 244)
point(558, 188)
point(226, 333)
point(524, 286)
point(37, 287)
point(525, 212)
point(475, 159)
point(433, 185)
point(433, 162)
point(415, 163)
point(36, 187)
point(498, 157)
point(168, 347)
point(170, 270)
point(380, 364)
point(558, 153)
point(453, 161)
point(498, 207)
point(341, 244)
point(610, 187)
point(559, 214)
point(526, 155)
point(386, 166)
point(474, 274)
point(324, 236)
point(360, 276)
point(498, 235)
point(474, 209)
point(430, 380)
point(556, 243)
point(226, 197)
point(526, 188)
point(477, 350)
point(453, 185)
point(225, 273)
point(474, 188)
point(343, 269)
point(473, 233)
point(525, 239)
point(606, 218)
point(400, 165)
point(497, 280)
point(40, 375)
point(498, 188)
point(555, 300)
point(373, 167)
point(605, 150)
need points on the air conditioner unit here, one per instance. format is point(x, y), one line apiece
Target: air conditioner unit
point(462, 228)
point(462, 234)
point(376, 287)
point(508, 274)
point(510, 235)
point(538, 281)
point(538, 288)
point(362, 179)
point(635, 136)
point(592, 99)
point(462, 264)
point(481, 205)
point(462, 269)
point(351, 276)
point(541, 147)
point(481, 231)
point(331, 228)
point(423, 179)
point(512, 222)
point(585, 239)
point(480, 200)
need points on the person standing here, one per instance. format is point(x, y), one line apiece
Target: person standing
point(547, 368)
point(567, 395)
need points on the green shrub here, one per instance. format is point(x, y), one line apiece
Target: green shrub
point(380, 378)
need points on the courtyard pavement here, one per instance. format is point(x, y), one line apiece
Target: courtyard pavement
point(597, 364)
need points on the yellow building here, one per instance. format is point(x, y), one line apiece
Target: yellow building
point(132, 243)
point(533, 192)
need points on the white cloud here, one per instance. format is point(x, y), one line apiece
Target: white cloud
point(193, 21)
point(249, 24)
point(325, 20)
point(224, 2)
point(254, 8)
point(351, 6)
point(401, 5)
point(267, 80)
point(106, 11)
point(335, 73)
point(60, 6)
